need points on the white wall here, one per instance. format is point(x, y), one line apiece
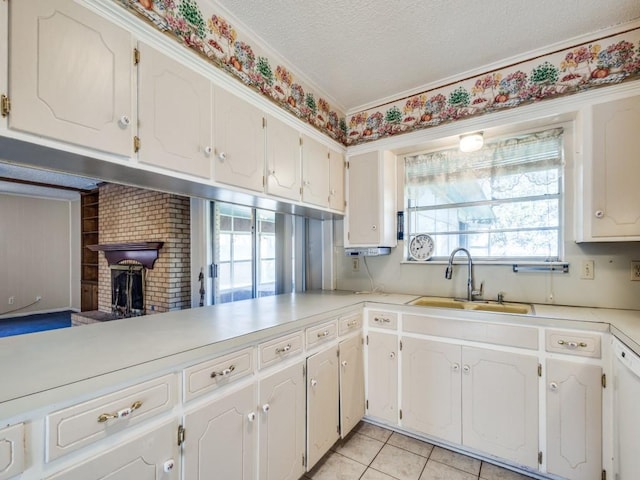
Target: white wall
point(611, 287)
point(35, 254)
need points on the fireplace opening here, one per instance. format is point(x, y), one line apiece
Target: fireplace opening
point(127, 290)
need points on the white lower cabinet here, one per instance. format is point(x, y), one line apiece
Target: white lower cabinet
point(382, 378)
point(11, 451)
point(351, 383)
point(282, 424)
point(221, 438)
point(153, 456)
point(574, 420)
point(323, 417)
point(481, 398)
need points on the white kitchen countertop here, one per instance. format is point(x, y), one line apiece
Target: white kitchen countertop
point(82, 359)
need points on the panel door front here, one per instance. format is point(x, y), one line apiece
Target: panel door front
point(500, 404)
point(222, 436)
point(239, 153)
point(174, 115)
point(336, 180)
point(574, 420)
point(142, 458)
point(362, 225)
point(322, 404)
point(283, 160)
point(431, 388)
point(351, 383)
point(11, 451)
point(382, 376)
point(282, 425)
point(615, 169)
point(70, 75)
point(315, 172)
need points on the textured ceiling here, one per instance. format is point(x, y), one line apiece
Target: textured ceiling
point(360, 52)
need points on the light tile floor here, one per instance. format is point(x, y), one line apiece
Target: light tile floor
point(371, 452)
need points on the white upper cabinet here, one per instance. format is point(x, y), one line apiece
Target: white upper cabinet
point(315, 172)
point(239, 152)
point(70, 75)
point(283, 160)
point(336, 180)
point(174, 115)
point(371, 201)
point(610, 169)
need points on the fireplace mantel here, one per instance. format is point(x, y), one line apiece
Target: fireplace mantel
point(145, 253)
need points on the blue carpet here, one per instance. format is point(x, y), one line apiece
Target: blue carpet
point(34, 323)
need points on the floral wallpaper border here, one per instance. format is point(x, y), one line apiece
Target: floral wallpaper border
point(601, 62)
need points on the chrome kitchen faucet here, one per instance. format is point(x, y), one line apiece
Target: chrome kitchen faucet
point(449, 273)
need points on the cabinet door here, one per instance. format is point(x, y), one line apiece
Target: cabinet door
point(615, 169)
point(11, 451)
point(315, 172)
point(363, 224)
point(431, 388)
point(174, 115)
point(500, 404)
point(351, 384)
point(282, 425)
point(322, 404)
point(143, 458)
point(336, 180)
point(283, 160)
point(382, 376)
point(70, 75)
point(239, 155)
point(574, 420)
point(222, 438)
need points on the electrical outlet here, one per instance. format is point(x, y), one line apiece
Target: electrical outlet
point(587, 272)
point(635, 270)
point(12, 300)
point(355, 264)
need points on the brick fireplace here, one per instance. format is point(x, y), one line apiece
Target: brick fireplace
point(135, 217)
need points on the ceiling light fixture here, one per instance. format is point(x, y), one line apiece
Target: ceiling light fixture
point(471, 142)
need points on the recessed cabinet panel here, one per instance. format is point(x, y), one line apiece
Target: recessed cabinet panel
point(382, 378)
point(336, 180)
point(574, 419)
point(11, 451)
point(282, 425)
point(283, 160)
point(315, 172)
point(143, 458)
point(500, 404)
point(174, 115)
point(70, 75)
point(431, 388)
point(351, 383)
point(322, 404)
point(239, 152)
point(222, 438)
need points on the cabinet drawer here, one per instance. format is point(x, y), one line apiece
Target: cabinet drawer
point(494, 333)
point(350, 323)
point(84, 423)
point(11, 451)
point(383, 319)
point(283, 347)
point(573, 343)
point(207, 376)
point(321, 333)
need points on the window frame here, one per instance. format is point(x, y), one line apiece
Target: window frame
point(560, 196)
